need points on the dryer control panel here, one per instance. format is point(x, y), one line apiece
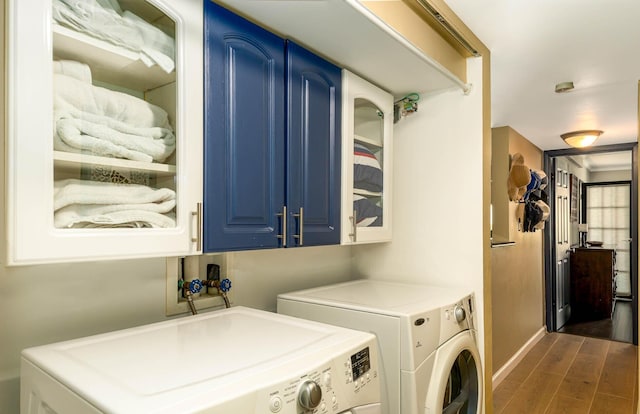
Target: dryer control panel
point(456, 318)
point(429, 330)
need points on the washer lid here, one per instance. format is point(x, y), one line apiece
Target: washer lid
point(390, 298)
point(215, 350)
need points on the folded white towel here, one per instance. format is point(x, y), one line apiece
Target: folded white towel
point(155, 43)
point(115, 219)
point(74, 191)
point(80, 71)
point(105, 20)
point(82, 203)
point(108, 123)
point(110, 138)
point(90, 209)
point(111, 4)
point(69, 93)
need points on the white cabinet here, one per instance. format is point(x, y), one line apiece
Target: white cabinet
point(367, 121)
point(104, 129)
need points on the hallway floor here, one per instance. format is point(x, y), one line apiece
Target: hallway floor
point(617, 328)
point(574, 375)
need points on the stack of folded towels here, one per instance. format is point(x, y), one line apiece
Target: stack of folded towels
point(367, 175)
point(98, 121)
point(92, 204)
point(106, 20)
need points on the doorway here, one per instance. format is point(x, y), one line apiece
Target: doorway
point(589, 219)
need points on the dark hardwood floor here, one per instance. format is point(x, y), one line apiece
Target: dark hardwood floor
point(617, 328)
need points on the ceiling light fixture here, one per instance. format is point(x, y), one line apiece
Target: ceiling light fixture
point(563, 87)
point(581, 139)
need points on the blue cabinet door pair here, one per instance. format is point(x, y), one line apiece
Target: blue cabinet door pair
point(272, 139)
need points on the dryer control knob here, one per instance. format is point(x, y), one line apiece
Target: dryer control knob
point(309, 395)
point(459, 313)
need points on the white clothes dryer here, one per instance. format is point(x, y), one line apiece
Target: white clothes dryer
point(234, 361)
point(426, 336)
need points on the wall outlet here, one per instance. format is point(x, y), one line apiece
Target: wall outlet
point(195, 267)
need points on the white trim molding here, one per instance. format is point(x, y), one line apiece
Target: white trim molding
point(506, 369)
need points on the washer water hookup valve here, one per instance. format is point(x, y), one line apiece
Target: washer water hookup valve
point(196, 285)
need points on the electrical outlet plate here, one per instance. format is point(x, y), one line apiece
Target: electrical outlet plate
point(175, 303)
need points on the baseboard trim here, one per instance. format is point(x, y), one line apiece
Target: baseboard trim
point(506, 369)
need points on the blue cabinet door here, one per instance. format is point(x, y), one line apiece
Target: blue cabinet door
point(244, 162)
point(314, 90)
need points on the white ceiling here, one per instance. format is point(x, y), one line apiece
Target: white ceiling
point(535, 45)
point(608, 161)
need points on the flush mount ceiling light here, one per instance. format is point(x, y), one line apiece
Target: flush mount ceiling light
point(581, 139)
point(563, 87)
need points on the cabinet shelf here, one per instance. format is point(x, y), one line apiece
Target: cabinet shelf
point(109, 63)
point(68, 160)
point(367, 141)
point(366, 193)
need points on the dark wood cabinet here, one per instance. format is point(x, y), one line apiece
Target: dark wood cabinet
point(591, 276)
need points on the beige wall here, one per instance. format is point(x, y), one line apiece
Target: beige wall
point(500, 162)
point(517, 273)
point(407, 22)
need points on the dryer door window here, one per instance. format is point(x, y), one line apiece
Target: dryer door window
point(461, 392)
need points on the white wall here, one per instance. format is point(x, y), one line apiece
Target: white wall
point(437, 210)
point(259, 276)
point(605, 176)
point(50, 303)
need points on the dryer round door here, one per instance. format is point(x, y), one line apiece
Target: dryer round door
point(456, 381)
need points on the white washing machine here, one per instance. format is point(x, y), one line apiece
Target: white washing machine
point(430, 359)
point(234, 361)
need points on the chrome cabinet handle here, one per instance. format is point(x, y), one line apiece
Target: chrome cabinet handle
point(299, 236)
point(198, 239)
point(283, 236)
point(354, 227)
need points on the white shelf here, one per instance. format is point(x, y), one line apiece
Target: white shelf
point(70, 160)
point(347, 33)
point(109, 63)
point(366, 193)
point(368, 141)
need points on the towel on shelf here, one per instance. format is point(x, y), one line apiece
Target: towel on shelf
point(78, 70)
point(114, 219)
point(83, 203)
point(367, 172)
point(155, 44)
point(105, 20)
point(74, 191)
point(99, 121)
point(368, 214)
